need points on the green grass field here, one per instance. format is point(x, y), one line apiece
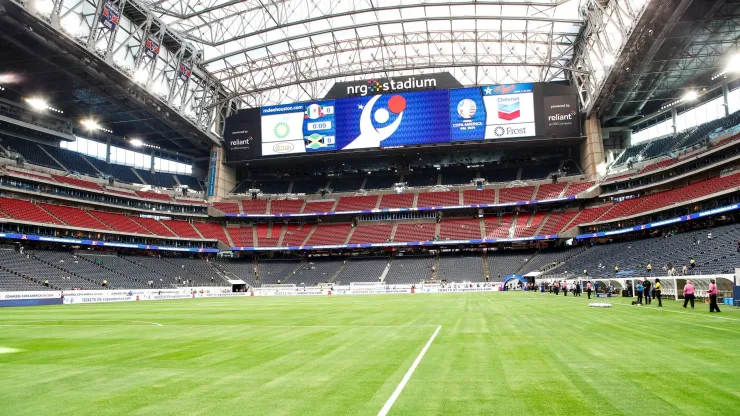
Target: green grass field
point(496, 353)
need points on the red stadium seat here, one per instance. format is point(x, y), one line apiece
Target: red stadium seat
point(120, 222)
point(75, 217)
point(182, 228)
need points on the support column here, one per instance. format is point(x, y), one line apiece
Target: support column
point(674, 113)
point(107, 150)
point(221, 178)
point(725, 97)
point(626, 138)
point(592, 148)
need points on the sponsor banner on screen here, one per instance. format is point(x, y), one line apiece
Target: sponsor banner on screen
point(561, 116)
point(467, 114)
point(492, 112)
point(392, 120)
point(298, 128)
point(243, 135)
point(509, 110)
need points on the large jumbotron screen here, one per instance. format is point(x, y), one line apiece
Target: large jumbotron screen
point(402, 119)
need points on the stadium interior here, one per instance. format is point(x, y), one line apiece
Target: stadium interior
point(145, 144)
point(89, 156)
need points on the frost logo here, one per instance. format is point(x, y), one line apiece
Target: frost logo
point(370, 136)
point(283, 147)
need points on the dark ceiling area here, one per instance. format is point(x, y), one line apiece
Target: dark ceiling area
point(678, 46)
point(59, 71)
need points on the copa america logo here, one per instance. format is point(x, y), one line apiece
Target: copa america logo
point(466, 108)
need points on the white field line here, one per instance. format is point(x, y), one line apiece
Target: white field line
point(8, 350)
point(402, 384)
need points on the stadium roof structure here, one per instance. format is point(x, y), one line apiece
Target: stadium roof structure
point(268, 52)
point(195, 62)
point(682, 46)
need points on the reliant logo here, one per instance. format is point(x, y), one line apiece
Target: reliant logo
point(373, 86)
point(241, 142)
point(561, 117)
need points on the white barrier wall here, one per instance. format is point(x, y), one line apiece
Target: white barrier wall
point(101, 296)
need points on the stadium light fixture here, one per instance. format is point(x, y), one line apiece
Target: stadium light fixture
point(608, 59)
point(141, 76)
point(733, 66)
point(136, 142)
point(71, 25)
point(690, 96)
point(93, 125)
point(37, 104)
point(90, 124)
point(44, 7)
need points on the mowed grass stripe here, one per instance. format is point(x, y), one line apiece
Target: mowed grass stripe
point(518, 353)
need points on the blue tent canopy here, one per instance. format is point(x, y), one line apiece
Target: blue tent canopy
point(515, 276)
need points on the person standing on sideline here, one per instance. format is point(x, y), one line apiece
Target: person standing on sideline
point(657, 290)
point(712, 292)
point(638, 290)
point(684, 270)
point(588, 289)
point(688, 294)
point(565, 288)
point(646, 290)
point(578, 288)
point(556, 285)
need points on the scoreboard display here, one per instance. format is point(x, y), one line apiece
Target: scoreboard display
point(298, 128)
point(402, 119)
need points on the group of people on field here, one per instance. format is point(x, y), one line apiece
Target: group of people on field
point(649, 292)
point(645, 290)
point(576, 288)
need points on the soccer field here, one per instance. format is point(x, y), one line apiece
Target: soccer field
point(496, 353)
